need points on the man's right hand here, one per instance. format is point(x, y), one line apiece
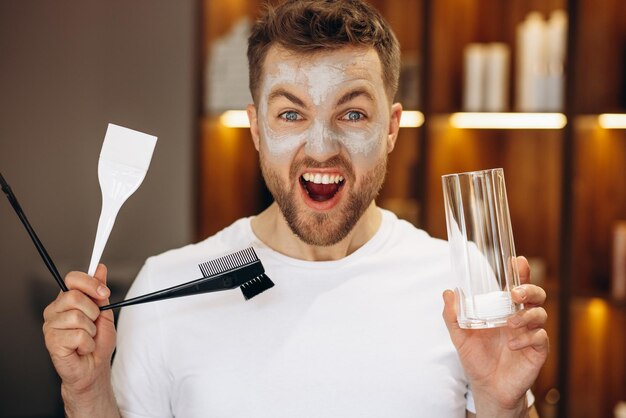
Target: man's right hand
point(81, 339)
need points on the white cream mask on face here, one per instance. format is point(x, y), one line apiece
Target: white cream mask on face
point(320, 83)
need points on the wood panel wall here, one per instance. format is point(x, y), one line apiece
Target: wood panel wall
point(599, 201)
point(601, 60)
point(597, 372)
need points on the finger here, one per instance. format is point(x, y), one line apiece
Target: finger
point(69, 301)
point(537, 339)
point(67, 342)
point(529, 294)
point(77, 340)
point(532, 318)
point(95, 289)
point(101, 274)
point(73, 319)
point(101, 277)
point(523, 267)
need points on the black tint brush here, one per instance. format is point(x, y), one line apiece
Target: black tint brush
point(31, 232)
point(241, 269)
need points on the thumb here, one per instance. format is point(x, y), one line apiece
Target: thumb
point(105, 334)
point(449, 313)
point(101, 276)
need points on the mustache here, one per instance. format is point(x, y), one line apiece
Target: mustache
point(338, 161)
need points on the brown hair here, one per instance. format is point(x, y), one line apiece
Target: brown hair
point(309, 26)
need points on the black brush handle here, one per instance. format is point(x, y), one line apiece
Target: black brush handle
point(31, 232)
point(225, 281)
point(195, 287)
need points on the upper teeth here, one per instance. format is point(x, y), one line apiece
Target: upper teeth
point(318, 178)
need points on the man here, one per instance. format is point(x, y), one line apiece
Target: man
point(352, 327)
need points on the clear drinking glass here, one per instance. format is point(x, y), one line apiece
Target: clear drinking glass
point(481, 247)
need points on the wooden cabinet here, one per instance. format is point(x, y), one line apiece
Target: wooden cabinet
point(566, 187)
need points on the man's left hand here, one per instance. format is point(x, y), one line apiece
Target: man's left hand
point(502, 363)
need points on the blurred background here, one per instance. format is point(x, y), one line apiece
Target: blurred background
point(537, 87)
point(67, 69)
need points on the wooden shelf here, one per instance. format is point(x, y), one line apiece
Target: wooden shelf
point(501, 120)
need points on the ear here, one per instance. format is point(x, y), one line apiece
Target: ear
point(394, 126)
point(254, 124)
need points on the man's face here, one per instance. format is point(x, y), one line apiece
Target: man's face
point(323, 134)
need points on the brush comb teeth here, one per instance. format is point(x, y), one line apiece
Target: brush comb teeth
point(238, 260)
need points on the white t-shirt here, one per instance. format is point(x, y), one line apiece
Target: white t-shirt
point(358, 337)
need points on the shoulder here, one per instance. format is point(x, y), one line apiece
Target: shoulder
point(181, 263)
point(413, 249)
point(404, 234)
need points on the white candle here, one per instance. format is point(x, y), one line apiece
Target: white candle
point(497, 77)
point(556, 36)
point(531, 64)
point(474, 83)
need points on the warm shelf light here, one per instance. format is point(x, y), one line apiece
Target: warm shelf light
point(612, 120)
point(235, 119)
point(411, 119)
point(493, 120)
point(239, 119)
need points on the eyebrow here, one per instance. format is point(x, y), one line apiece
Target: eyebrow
point(289, 96)
point(354, 94)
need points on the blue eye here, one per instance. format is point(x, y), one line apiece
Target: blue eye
point(290, 116)
point(354, 116)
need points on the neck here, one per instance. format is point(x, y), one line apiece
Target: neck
point(271, 227)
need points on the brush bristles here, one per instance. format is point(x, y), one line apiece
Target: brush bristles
point(128, 147)
point(255, 286)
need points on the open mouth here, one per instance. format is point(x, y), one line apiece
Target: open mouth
point(321, 187)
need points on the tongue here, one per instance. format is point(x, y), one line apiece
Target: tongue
point(321, 192)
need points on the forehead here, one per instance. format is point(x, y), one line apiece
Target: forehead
point(282, 66)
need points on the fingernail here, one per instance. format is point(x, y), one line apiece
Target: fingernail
point(521, 292)
point(515, 320)
point(102, 291)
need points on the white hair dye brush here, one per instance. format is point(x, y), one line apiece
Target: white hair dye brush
point(124, 161)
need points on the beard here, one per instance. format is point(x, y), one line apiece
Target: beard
point(324, 229)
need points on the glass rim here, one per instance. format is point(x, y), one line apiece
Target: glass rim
point(472, 173)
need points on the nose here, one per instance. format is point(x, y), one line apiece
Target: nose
point(321, 143)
